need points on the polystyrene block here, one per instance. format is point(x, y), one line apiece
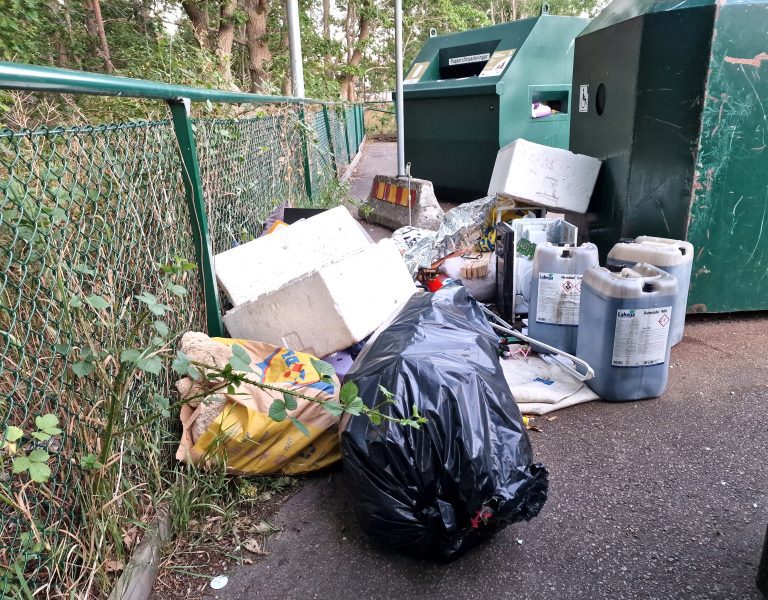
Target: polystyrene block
point(331, 308)
point(544, 176)
point(266, 264)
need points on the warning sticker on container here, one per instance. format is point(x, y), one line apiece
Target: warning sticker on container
point(497, 63)
point(559, 298)
point(641, 336)
point(416, 72)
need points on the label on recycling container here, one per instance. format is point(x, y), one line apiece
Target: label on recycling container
point(559, 298)
point(641, 336)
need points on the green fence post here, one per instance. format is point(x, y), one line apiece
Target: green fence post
point(346, 137)
point(362, 121)
point(305, 153)
point(331, 149)
point(193, 186)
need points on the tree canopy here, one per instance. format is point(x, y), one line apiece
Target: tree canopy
point(243, 44)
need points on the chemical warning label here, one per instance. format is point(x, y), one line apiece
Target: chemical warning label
point(641, 336)
point(559, 298)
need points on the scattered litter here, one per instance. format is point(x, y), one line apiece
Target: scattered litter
point(553, 312)
point(544, 176)
point(673, 256)
point(539, 110)
point(516, 244)
point(482, 287)
point(229, 423)
point(633, 307)
point(264, 528)
point(254, 546)
point(552, 418)
point(519, 542)
point(460, 230)
point(437, 491)
point(219, 582)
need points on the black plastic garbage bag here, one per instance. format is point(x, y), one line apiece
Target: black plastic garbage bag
point(469, 471)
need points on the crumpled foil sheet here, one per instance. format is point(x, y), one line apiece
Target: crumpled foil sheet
point(460, 230)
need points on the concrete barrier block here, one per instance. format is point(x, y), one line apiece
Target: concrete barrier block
point(392, 199)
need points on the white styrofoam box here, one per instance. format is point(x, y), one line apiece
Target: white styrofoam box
point(266, 264)
point(331, 308)
point(544, 176)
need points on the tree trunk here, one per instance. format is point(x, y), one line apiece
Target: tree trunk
point(348, 80)
point(95, 26)
point(59, 46)
point(327, 35)
point(259, 55)
point(284, 45)
point(197, 11)
point(226, 38)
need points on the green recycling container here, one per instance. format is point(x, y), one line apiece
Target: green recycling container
point(673, 96)
point(468, 94)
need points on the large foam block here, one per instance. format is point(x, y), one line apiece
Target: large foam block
point(544, 176)
point(266, 264)
point(330, 308)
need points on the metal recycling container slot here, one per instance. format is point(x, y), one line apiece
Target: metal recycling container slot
point(469, 94)
point(670, 95)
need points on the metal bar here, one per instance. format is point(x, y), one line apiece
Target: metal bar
point(346, 136)
point(399, 87)
point(331, 149)
point(294, 47)
point(303, 132)
point(16, 76)
point(193, 187)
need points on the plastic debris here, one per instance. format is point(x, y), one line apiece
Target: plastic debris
point(219, 582)
point(438, 490)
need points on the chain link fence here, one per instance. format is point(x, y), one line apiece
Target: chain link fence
point(92, 217)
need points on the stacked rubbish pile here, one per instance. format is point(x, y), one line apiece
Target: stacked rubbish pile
point(572, 331)
point(413, 359)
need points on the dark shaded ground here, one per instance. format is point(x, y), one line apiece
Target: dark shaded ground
point(658, 499)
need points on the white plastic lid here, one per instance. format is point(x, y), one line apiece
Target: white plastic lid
point(662, 252)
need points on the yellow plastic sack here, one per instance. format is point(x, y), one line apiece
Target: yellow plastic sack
point(236, 427)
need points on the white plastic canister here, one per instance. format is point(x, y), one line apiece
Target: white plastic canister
point(553, 314)
point(673, 256)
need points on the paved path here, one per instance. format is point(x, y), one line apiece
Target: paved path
point(659, 499)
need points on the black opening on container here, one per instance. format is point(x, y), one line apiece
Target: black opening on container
point(647, 286)
point(682, 250)
point(467, 60)
point(600, 99)
point(566, 254)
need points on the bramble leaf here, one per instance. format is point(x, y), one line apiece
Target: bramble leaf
point(277, 411)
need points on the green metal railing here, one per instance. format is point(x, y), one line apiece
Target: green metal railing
point(93, 210)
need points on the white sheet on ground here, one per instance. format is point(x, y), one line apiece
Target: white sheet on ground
point(540, 387)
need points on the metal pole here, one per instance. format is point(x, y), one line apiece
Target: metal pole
point(294, 46)
point(399, 87)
